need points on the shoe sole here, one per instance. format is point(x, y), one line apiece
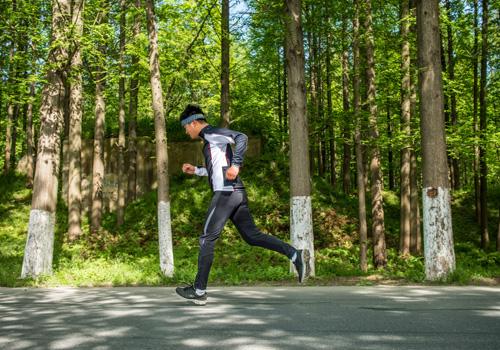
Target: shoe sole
point(306, 270)
point(198, 302)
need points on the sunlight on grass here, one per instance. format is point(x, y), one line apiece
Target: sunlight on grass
point(129, 255)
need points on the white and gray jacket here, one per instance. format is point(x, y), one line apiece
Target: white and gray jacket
point(219, 157)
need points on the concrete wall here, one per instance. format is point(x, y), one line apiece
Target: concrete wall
point(178, 153)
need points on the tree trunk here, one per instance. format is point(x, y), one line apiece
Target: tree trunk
point(280, 98)
point(319, 108)
point(164, 223)
point(132, 112)
point(346, 166)
point(99, 130)
point(415, 222)
point(98, 152)
point(415, 236)
point(378, 229)
point(475, 68)
point(38, 252)
point(314, 95)
point(438, 233)
point(10, 103)
point(301, 229)
point(30, 146)
point(285, 90)
point(390, 153)
point(498, 232)
point(75, 127)
point(13, 144)
point(483, 170)
point(405, 224)
point(453, 97)
point(120, 210)
point(363, 229)
point(330, 119)
point(224, 78)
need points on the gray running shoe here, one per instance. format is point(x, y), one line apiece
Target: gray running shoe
point(189, 293)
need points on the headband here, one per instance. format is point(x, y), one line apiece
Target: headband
point(189, 119)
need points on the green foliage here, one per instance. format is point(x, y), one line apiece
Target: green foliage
point(189, 41)
point(129, 255)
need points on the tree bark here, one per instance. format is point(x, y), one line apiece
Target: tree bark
point(224, 78)
point(453, 96)
point(285, 90)
point(415, 222)
point(346, 166)
point(120, 210)
point(438, 233)
point(378, 229)
point(10, 103)
point(279, 81)
point(483, 170)
point(330, 119)
point(390, 153)
point(38, 252)
point(475, 67)
point(99, 130)
point(75, 127)
point(415, 234)
point(30, 140)
point(405, 224)
point(312, 116)
point(132, 111)
point(363, 229)
point(498, 232)
point(164, 222)
point(301, 229)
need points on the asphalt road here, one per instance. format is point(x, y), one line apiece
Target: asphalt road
point(256, 318)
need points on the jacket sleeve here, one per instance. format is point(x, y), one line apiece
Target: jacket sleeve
point(222, 136)
point(200, 171)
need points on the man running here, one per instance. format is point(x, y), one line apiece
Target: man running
point(229, 200)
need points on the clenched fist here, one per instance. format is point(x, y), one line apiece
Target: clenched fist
point(188, 168)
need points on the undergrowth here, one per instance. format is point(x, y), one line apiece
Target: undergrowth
point(128, 255)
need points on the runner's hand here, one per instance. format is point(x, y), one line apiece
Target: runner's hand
point(232, 172)
point(188, 168)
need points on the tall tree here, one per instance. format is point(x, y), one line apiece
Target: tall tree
point(100, 122)
point(38, 252)
point(301, 229)
point(453, 96)
point(475, 67)
point(483, 170)
point(363, 229)
point(404, 247)
point(438, 234)
point(75, 127)
point(132, 111)
point(378, 227)
point(164, 222)
point(416, 236)
point(120, 212)
point(346, 166)
point(224, 78)
point(329, 110)
point(10, 91)
point(30, 139)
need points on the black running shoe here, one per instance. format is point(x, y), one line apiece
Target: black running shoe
point(190, 293)
point(302, 264)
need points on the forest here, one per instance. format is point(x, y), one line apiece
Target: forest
point(378, 124)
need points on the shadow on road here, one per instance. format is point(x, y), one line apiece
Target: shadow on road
point(252, 318)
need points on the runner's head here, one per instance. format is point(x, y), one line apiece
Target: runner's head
point(193, 120)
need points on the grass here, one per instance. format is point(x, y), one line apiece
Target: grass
point(128, 255)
